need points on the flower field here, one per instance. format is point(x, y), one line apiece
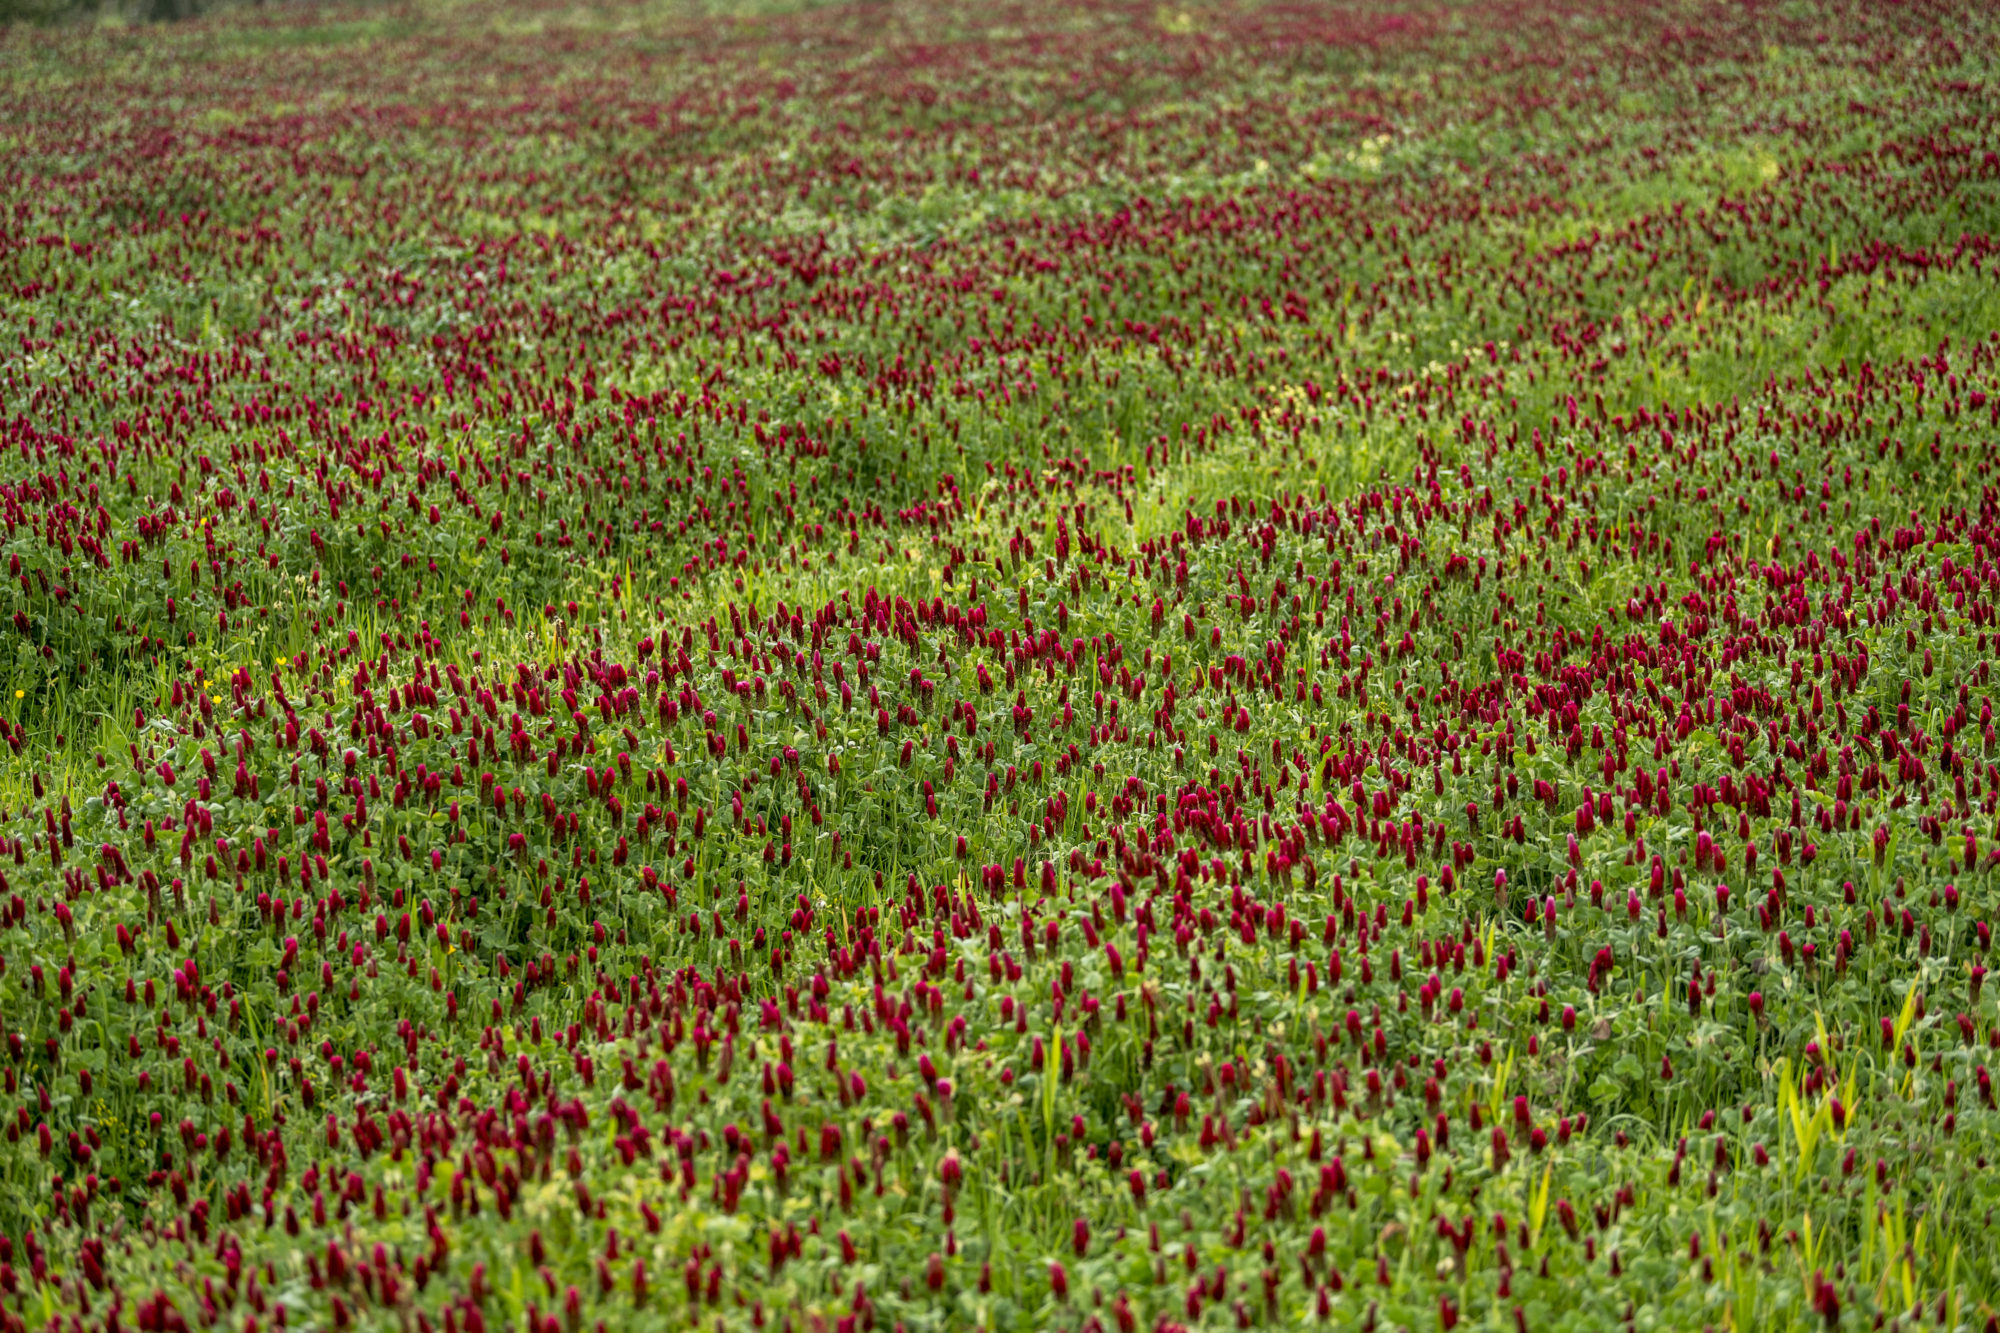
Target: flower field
point(1009, 667)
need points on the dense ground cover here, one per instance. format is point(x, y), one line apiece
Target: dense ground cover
point(1010, 666)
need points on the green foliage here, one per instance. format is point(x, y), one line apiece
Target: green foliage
point(772, 665)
